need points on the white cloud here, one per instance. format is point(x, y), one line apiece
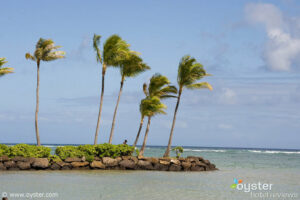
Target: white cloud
point(228, 96)
point(282, 49)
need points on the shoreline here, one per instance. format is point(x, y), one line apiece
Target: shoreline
point(190, 163)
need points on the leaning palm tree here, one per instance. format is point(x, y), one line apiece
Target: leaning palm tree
point(159, 87)
point(189, 71)
point(130, 67)
point(45, 50)
point(5, 70)
point(150, 106)
point(115, 49)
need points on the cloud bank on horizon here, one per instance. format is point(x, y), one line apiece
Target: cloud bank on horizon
point(282, 49)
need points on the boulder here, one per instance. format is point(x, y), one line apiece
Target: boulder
point(163, 162)
point(97, 158)
point(174, 167)
point(10, 164)
point(79, 164)
point(97, 164)
point(19, 158)
point(186, 165)
point(197, 168)
point(145, 165)
point(165, 159)
point(40, 163)
point(109, 162)
point(23, 165)
point(2, 167)
point(161, 167)
point(4, 158)
point(175, 161)
point(201, 164)
point(126, 157)
point(206, 162)
point(134, 159)
point(55, 166)
point(127, 164)
point(14, 169)
point(152, 160)
point(69, 160)
point(63, 164)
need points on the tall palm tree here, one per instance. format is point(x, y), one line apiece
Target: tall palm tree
point(5, 70)
point(130, 67)
point(150, 106)
point(189, 71)
point(45, 50)
point(159, 87)
point(115, 49)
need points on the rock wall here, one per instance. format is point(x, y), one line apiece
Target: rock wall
point(190, 163)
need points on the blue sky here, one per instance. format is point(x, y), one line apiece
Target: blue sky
point(252, 48)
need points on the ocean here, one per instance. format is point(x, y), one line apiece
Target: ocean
point(262, 173)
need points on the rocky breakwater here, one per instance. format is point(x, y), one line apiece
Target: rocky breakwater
point(190, 163)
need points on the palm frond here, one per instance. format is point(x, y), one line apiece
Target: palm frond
point(203, 85)
point(151, 106)
point(6, 70)
point(96, 43)
point(29, 56)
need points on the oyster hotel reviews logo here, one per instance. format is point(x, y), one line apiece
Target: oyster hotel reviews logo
point(261, 190)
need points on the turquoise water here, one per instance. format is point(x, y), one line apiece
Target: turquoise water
point(281, 168)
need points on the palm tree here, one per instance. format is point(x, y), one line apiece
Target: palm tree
point(45, 50)
point(115, 49)
point(189, 71)
point(5, 70)
point(130, 67)
point(159, 87)
point(150, 106)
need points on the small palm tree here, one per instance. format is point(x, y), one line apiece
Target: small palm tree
point(5, 70)
point(115, 49)
point(189, 71)
point(159, 87)
point(150, 106)
point(130, 67)
point(45, 50)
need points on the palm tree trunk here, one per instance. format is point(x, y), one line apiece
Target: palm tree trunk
point(145, 137)
point(101, 102)
point(37, 105)
point(115, 113)
point(138, 134)
point(167, 153)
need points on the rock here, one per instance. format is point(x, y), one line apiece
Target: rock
point(69, 160)
point(152, 160)
point(161, 167)
point(10, 164)
point(201, 164)
point(164, 162)
point(4, 158)
point(174, 167)
point(79, 164)
point(23, 165)
point(127, 164)
point(109, 162)
point(18, 158)
point(40, 163)
point(145, 165)
point(66, 167)
point(55, 166)
point(192, 159)
point(175, 161)
point(206, 162)
point(197, 168)
point(14, 169)
point(165, 159)
point(83, 159)
point(97, 158)
point(118, 159)
point(181, 159)
point(2, 167)
point(97, 164)
point(63, 164)
point(126, 157)
point(212, 166)
point(186, 165)
point(134, 159)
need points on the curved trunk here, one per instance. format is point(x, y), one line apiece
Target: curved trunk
point(115, 112)
point(167, 153)
point(101, 102)
point(145, 137)
point(37, 105)
point(139, 131)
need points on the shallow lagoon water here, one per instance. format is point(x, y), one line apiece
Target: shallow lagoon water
point(282, 170)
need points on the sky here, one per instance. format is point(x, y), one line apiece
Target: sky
point(252, 49)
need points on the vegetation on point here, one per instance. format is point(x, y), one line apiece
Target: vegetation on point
point(178, 151)
point(25, 150)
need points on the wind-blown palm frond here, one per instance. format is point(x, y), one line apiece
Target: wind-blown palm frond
point(133, 66)
point(5, 70)
point(151, 106)
point(115, 50)
point(159, 86)
point(96, 43)
point(200, 86)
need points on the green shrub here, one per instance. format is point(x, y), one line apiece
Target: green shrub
point(26, 150)
point(3, 149)
point(68, 152)
point(178, 151)
point(54, 158)
point(110, 150)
